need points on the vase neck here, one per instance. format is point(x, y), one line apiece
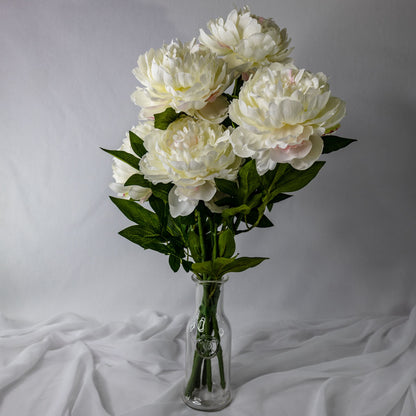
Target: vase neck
point(210, 294)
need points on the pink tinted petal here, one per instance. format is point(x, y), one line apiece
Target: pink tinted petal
point(291, 152)
point(312, 156)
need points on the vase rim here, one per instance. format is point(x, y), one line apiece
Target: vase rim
point(223, 279)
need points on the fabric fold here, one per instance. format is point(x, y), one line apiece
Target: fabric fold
point(72, 365)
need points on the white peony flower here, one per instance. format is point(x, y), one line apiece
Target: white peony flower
point(282, 112)
point(122, 171)
point(182, 76)
point(245, 41)
point(190, 154)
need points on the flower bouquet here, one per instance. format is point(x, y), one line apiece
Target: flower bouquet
point(229, 127)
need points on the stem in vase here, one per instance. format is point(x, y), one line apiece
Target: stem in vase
point(219, 353)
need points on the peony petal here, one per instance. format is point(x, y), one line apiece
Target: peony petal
point(135, 192)
point(244, 43)
point(138, 193)
point(332, 114)
point(278, 109)
point(291, 152)
point(216, 111)
point(312, 156)
point(264, 162)
point(289, 111)
point(180, 207)
point(238, 139)
point(203, 192)
point(182, 76)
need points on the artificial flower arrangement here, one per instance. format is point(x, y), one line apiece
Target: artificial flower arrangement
point(229, 127)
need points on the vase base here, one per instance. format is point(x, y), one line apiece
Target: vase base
point(208, 401)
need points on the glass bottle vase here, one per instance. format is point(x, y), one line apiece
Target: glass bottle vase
point(208, 349)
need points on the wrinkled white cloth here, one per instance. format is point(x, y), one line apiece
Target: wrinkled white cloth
point(74, 366)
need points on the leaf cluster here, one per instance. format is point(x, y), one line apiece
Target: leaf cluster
point(247, 198)
point(154, 228)
point(204, 242)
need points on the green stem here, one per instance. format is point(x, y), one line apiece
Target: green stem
point(213, 227)
point(201, 237)
point(209, 373)
point(202, 368)
point(196, 376)
point(267, 198)
point(204, 373)
point(237, 223)
point(219, 353)
point(279, 172)
point(194, 379)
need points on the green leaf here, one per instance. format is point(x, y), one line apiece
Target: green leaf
point(249, 180)
point(280, 198)
point(162, 120)
point(193, 244)
point(161, 210)
point(230, 201)
point(264, 222)
point(212, 268)
point(177, 245)
point(241, 264)
point(334, 143)
point(226, 243)
point(185, 221)
point(137, 144)
point(137, 235)
point(205, 267)
point(255, 201)
point(228, 187)
point(221, 266)
point(293, 179)
point(138, 179)
point(137, 213)
point(244, 208)
point(174, 262)
point(267, 178)
point(187, 265)
point(125, 157)
point(241, 209)
point(276, 199)
point(161, 190)
point(173, 227)
point(270, 178)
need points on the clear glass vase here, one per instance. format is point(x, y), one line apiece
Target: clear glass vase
point(208, 349)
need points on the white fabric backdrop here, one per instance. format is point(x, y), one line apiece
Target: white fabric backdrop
point(343, 246)
point(70, 365)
